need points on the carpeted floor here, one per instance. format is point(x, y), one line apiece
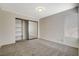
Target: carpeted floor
point(37, 47)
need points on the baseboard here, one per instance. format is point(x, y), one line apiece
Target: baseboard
point(8, 43)
point(61, 43)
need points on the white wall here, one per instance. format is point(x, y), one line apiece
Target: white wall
point(7, 26)
point(51, 28)
point(71, 30)
point(61, 28)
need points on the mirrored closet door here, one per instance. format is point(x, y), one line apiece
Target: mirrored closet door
point(18, 30)
point(33, 29)
point(26, 29)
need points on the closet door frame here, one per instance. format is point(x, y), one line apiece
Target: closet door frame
point(22, 27)
point(28, 27)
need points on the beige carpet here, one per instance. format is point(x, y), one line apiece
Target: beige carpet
point(37, 47)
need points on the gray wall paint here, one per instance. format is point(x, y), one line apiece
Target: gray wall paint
point(55, 28)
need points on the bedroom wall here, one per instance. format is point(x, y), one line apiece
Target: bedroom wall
point(61, 27)
point(7, 26)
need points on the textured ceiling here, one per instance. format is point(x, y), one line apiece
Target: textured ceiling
point(29, 9)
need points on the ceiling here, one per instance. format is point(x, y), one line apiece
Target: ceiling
point(29, 9)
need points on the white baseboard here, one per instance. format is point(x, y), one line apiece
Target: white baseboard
point(7, 43)
point(64, 43)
